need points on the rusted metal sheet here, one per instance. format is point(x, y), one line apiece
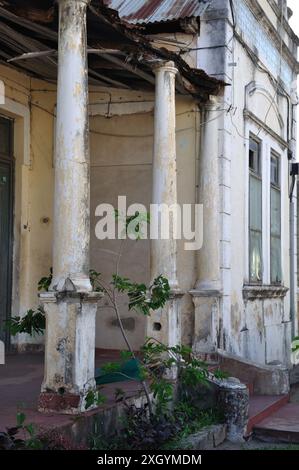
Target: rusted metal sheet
point(156, 11)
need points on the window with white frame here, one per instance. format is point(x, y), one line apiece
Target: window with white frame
point(275, 223)
point(255, 212)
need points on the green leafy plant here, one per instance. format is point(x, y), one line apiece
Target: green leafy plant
point(191, 420)
point(9, 440)
point(221, 374)
point(27, 436)
point(12, 440)
point(295, 344)
point(140, 298)
point(45, 282)
point(143, 299)
point(33, 323)
point(164, 431)
point(134, 223)
point(160, 360)
point(140, 432)
point(94, 277)
point(94, 398)
point(32, 440)
point(157, 420)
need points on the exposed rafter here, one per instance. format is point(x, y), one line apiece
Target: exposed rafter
point(29, 41)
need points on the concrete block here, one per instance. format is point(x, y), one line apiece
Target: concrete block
point(207, 439)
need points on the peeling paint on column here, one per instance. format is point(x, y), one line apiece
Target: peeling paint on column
point(165, 325)
point(207, 292)
point(70, 346)
point(72, 205)
point(163, 256)
point(70, 305)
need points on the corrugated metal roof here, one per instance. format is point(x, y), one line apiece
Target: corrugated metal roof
point(156, 11)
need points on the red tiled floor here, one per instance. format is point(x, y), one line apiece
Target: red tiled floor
point(260, 403)
point(281, 426)
point(20, 382)
point(262, 406)
point(285, 419)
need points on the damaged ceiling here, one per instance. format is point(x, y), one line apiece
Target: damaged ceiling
point(119, 56)
point(157, 11)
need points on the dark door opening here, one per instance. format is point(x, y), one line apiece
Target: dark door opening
point(6, 217)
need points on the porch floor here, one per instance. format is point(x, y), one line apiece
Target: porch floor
point(20, 383)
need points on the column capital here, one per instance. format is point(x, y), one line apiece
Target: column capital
point(212, 103)
point(165, 66)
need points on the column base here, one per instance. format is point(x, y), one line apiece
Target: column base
point(54, 402)
point(206, 326)
point(69, 351)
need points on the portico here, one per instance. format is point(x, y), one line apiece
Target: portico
point(70, 304)
point(151, 104)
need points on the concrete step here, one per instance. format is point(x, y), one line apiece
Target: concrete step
point(263, 406)
point(280, 426)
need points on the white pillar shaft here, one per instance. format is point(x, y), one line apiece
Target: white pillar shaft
point(72, 187)
point(165, 324)
point(70, 306)
point(164, 252)
point(209, 255)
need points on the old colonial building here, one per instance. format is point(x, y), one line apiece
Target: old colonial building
point(162, 102)
point(250, 45)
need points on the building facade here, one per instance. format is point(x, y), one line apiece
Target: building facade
point(251, 45)
point(197, 106)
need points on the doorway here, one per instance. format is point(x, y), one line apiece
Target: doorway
point(6, 219)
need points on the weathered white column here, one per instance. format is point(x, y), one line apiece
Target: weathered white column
point(165, 325)
point(70, 305)
point(71, 205)
point(207, 290)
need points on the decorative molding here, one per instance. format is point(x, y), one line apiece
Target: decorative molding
point(286, 24)
point(211, 293)
point(264, 292)
point(20, 111)
point(55, 296)
point(253, 88)
point(176, 293)
point(249, 115)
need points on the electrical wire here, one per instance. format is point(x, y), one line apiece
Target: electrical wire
point(144, 136)
point(237, 130)
point(191, 111)
point(232, 8)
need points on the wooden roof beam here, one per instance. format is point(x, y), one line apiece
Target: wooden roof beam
point(125, 65)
